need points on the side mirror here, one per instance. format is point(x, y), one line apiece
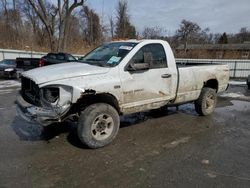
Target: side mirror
point(138, 66)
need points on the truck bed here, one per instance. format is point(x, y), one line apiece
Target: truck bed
point(27, 63)
point(192, 77)
point(187, 64)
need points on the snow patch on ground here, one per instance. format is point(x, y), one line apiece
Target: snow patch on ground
point(7, 91)
point(237, 82)
point(232, 95)
point(235, 96)
point(9, 83)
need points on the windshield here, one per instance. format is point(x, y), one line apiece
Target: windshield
point(108, 54)
point(7, 62)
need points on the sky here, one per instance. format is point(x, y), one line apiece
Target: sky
point(219, 15)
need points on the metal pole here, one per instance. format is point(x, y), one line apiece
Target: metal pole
point(3, 54)
point(235, 66)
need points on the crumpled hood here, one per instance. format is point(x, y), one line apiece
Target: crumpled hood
point(62, 71)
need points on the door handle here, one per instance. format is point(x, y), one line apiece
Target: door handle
point(166, 75)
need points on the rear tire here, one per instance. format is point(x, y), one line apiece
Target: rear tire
point(206, 102)
point(98, 125)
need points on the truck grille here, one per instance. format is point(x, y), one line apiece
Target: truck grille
point(30, 91)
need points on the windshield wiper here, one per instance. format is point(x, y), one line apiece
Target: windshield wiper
point(101, 64)
point(92, 59)
point(96, 63)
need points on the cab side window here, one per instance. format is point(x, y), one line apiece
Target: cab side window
point(152, 53)
point(138, 57)
point(159, 56)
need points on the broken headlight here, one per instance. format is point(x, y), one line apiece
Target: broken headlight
point(50, 94)
point(56, 97)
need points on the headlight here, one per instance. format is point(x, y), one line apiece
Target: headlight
point(9, 70)
point(50, 94)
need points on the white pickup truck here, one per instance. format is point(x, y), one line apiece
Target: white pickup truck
point(114, 79)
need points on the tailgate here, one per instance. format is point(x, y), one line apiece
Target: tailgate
point(27, 63)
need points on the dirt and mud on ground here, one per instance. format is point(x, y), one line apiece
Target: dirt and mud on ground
point(154, 149)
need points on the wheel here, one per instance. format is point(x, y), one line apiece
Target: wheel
point(206, 102)
point(98, 125)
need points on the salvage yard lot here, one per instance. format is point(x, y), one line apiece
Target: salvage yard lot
point(153, 149)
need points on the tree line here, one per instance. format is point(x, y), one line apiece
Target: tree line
point(70, 25)
point(64, 25)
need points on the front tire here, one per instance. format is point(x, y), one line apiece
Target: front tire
point(206, 102)
point(98, 125)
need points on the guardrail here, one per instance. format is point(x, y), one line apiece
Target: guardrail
point(13, 54)
point(238, 68)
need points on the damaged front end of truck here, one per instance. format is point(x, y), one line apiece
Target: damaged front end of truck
point(44, 105)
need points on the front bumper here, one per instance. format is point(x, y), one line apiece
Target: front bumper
point(15, 73)
point(35, 114)
point(5, 73)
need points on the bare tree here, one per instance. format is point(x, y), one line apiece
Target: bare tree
point(223, 39)
point(112, 26)
point(152, 33)
point(124, 29)
point(50, 15)
point(74, 42)
point(243, 35)
point(11, 23)
point(91, 27)
point(204, 36)
point(187, 31)
point(39, 33)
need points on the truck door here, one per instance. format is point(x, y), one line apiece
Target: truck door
point(147, 78)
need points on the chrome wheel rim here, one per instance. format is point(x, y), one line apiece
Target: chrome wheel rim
point(102, 127)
